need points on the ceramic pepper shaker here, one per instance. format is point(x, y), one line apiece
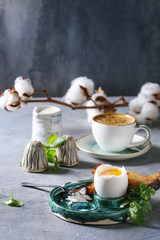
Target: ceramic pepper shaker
point(67, 153)
point(34, 157)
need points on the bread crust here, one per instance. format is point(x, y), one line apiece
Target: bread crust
point(134, 179)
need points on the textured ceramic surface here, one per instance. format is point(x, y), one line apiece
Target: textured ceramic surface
point(97, 211)
point(46, 120)
point(88, 145)
point(34, 157)
point(67, 153)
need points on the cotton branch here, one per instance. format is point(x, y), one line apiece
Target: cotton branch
point(107, 105)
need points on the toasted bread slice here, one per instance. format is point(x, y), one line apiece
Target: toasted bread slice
point(90, 188)
point(134, 179)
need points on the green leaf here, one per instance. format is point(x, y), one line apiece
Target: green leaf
point(9, 203)
point(51, 155)
point(17, 203)
point(152, 191)
point(125, 203)
point(142, 186)
point(139, 203)
point(11, 195)
point(50, 159)
point(58, 142)
point(13, 202)
point(136, 190)
point(51, 151)
point(145, 195)
point(55, 164)
point(146, 206)
point(20, 164)
point(50, 148)
point(135, 207)
point(137, 217)
point(52, 138)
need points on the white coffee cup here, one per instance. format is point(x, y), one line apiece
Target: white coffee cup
point(114, 131)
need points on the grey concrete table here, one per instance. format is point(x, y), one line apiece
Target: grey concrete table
point(35, 220)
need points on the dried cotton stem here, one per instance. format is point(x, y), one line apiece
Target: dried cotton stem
point(107, 105)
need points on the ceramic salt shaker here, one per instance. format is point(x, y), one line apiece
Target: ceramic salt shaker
point(67, 153)
point(34, 157)
point(46, 120)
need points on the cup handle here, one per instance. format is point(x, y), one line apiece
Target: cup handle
point(147, 130)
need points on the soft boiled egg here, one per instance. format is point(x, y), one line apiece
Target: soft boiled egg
point(110, 181)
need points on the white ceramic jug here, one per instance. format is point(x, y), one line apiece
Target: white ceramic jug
point(46, 120)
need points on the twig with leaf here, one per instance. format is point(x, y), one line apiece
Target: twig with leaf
point(50, 147)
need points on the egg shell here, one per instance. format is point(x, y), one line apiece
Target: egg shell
point(110, 186)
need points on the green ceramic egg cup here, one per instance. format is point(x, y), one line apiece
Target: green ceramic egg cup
point(97, 211)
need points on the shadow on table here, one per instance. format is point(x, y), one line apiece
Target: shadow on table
point(59, 171)
point(62, 170)
point(150, 157)
point(154, 215)
point(86, 165)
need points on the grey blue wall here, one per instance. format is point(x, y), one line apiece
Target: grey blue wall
point(114, 42)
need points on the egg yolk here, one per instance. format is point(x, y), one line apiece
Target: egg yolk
point(113, 171)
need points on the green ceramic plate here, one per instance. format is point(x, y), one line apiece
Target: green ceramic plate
point(97, 211)
point(87, 144)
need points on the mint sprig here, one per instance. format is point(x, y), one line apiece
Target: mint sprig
point(138, 201)
point(50, 147)
point(13, 202)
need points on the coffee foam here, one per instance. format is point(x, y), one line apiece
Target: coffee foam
point(114, 119)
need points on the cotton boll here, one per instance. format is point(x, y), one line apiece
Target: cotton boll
point(24, 87)
point(140, 119)
point(146, 104)
point(99, 98)
point(150, 111)
point(144, 98)
point(138, 116)
point(10, 100)
point(150, 88)
point(13, 100)
point(3, 101)
point(75, 94)
point(95, 111)
point(134, 105)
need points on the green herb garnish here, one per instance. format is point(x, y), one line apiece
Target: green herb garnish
point(13, 202)
point(50, 147)
point(138, 201)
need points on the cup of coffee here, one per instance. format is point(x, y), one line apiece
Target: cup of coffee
point(114, 131)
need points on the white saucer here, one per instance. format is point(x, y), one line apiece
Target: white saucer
point(87, 144)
